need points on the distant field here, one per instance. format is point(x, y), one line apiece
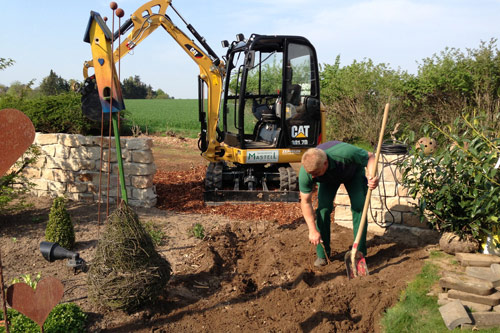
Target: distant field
point(177, 115)
point(162, 115)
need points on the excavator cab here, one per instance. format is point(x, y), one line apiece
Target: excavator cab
point(271, 95)
point(270, 115)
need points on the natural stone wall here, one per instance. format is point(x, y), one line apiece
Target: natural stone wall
point(390, 203)
point(69, 165)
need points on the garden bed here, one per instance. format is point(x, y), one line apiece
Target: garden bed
point(252, 272)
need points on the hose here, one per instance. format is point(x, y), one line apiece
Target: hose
point(392, 148)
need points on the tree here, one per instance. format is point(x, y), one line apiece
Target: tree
point(160, 94)
point(20, 90)
point(53, 84)
point(5, 62)
point(134, 88)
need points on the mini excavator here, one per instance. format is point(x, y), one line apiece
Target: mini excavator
point(259, 106)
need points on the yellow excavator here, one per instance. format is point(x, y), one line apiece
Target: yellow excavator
point(259, 106)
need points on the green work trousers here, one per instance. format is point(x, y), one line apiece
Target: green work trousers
point(356, 188)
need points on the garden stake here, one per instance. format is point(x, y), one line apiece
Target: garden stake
point(5, 321)
point(110, 94)
point(354, 260)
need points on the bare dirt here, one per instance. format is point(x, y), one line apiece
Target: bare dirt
point(253, 271)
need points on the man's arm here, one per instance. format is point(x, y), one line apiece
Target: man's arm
point(310, 217)
point(372, 179)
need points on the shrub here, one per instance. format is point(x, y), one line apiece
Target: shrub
point(14, 184)
point(197, 231)
point(64, 318)
point(52, 114)
point(157, 235)
point(31, 281)
point(458, 187)
point(60, 228)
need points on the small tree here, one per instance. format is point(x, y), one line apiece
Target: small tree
point(458, 187)
point(60, 228)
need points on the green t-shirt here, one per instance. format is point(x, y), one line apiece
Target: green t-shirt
point(343, 161)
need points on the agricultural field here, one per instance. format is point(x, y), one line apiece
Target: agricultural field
point(180, 116)
point(162, 115)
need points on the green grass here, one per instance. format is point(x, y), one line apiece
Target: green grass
point(415, 311)
point(162, 115)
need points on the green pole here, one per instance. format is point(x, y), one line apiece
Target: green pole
point(119, 157)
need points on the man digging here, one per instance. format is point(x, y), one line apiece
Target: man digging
point(331, 164)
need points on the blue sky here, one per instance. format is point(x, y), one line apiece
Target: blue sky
point(45, 35)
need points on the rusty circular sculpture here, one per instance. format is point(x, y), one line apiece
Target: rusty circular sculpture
point(120, 12)
point(429, 145)
point(113, 5)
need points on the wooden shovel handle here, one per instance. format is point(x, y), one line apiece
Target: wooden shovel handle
point(372, 173)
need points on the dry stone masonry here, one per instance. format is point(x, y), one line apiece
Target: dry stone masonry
point(390, 203)
point(69, 165)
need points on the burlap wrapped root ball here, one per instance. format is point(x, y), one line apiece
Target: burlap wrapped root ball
point(126, 272)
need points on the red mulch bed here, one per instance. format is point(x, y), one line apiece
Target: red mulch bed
point(182, 191)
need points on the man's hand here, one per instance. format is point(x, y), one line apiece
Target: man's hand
point(315, 237)
point(309, 217)
point(373, 182)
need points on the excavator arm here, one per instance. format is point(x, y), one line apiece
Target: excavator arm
point(143, 22)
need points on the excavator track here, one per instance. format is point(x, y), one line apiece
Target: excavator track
point(242, 184)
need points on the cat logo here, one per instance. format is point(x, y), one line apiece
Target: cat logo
point(195, 52)
point(300, 132)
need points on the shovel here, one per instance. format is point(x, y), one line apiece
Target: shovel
point(355, 261)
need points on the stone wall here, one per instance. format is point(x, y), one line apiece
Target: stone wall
point(390, 204)
point(69, 165)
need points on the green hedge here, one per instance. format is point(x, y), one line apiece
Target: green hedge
point(52, 114)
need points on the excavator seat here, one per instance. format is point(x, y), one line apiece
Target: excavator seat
point(267, 128)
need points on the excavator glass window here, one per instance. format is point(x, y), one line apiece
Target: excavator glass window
point(272, 97)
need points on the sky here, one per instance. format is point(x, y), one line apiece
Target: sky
point(48, 35)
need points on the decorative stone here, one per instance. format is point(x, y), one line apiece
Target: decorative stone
point(484, 273)
point(139, 144)
point(493, 299)
point(477, 259)
point(142, 181)
point(485, 319)
point(452, 244)
point(46, 139)
point(144, 156)
point(466, 283)
point(454, 314)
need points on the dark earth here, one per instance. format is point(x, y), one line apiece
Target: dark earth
point(252, 272)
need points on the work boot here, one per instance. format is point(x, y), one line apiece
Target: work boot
point(320, 262)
